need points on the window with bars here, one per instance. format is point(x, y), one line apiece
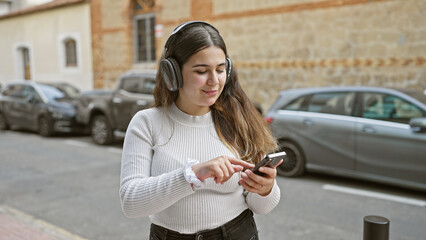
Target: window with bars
point(145, 38)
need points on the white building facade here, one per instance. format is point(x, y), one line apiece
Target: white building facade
point(48, 43)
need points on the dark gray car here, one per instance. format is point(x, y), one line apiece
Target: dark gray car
point(38, 107)
point(107, 113)
point(371, 133)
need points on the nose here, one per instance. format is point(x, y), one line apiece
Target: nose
point(213, 78)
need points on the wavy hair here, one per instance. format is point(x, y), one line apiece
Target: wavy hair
point(237, 122)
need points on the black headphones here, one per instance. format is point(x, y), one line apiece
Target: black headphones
point(169, 67)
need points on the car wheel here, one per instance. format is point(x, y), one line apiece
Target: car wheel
point(101, 130)
point(294, 164)
point(3, 122)
point(44, 127)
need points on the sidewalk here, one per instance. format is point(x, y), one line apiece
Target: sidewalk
point(16, 225)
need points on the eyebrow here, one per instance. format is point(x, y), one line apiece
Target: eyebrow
point(205, 65)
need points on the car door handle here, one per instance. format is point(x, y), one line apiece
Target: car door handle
point(141, 102)
point(117, 100)
point(368, 129)
point(307, 122)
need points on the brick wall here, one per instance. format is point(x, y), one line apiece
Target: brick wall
point(287, 44)
point(112, 43)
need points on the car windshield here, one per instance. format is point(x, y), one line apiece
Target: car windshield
point(421, 96)
point(51, 92)
point(68, 90)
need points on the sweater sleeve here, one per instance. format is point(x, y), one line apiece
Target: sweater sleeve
point(264, 204)
point(142, 194)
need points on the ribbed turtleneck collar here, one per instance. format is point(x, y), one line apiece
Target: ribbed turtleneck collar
point(187, 119)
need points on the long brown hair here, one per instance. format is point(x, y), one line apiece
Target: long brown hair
point(237, 122)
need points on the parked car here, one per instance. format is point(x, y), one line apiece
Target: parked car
point(37, 107)
point(108, 113)
point(370, 133)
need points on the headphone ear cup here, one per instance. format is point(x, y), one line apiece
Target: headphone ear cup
point(228, 66)
point(171, 73)
point(177, 72)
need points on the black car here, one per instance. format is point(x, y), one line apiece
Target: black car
point(38, 107)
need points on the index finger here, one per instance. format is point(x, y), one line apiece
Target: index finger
point(241, 162)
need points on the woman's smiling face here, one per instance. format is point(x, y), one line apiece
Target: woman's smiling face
point(204, 75)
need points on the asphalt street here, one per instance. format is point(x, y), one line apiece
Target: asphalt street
point(71, 185)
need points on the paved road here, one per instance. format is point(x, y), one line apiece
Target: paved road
point(67, 188)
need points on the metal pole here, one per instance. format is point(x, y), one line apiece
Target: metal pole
point(376, 228)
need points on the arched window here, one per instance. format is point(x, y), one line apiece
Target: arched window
point(70, 53)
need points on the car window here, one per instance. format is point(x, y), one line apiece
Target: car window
point(31, 92)
point(15, 91)
point(67, 90)
point(148, 86)
point(296, 104)
point(340, 103)
point(389, 108)
point(130, 84)
point(28, 91)
point(7, 91)
point(138, 85)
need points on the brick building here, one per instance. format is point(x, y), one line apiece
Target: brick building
point(278, 44)
point(274, 44)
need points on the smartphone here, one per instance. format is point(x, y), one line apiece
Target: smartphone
point(271, 160)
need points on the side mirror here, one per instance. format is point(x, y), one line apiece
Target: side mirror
point(418, 125)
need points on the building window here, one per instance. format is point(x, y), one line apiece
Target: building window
point(145, 38)
point(144, 30)
point(26, 63)
point(70, 53)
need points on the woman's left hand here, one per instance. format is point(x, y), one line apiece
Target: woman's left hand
point(261, 185)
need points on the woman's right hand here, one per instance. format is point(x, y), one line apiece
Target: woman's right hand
point(220, 168)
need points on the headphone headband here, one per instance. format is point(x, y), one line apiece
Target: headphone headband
point(191, 22)
point(181, 26)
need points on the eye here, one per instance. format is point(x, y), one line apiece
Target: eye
point(220, 69)
point(201, 72)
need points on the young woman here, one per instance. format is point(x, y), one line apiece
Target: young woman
point(183, 159)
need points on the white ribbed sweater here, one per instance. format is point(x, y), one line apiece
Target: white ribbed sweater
point(157, 145)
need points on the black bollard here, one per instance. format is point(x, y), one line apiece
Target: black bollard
point(376, 228)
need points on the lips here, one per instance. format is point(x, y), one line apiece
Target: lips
point(210, 92)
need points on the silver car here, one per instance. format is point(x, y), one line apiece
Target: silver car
point(371, 133)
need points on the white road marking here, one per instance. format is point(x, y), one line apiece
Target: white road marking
point(372, 194)
point(76, 143)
